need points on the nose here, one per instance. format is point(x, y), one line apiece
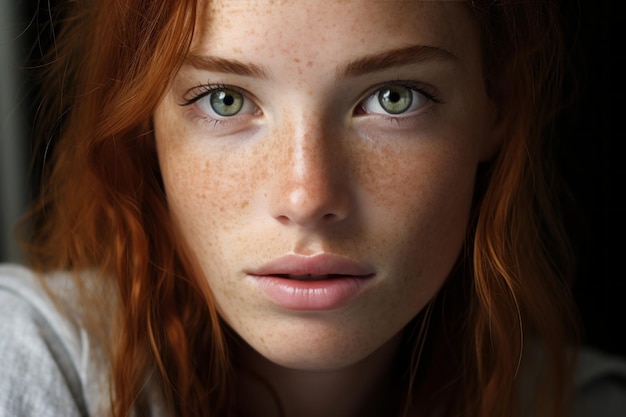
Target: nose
point(312, 181)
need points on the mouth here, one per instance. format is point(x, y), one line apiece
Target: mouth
point(312, 283)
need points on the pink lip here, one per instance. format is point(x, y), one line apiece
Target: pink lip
point(316, 265)
point(319, 282)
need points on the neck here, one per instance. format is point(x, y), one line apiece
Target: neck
point(362, 389)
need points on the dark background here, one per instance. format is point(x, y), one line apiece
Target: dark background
point(588, 153)
point(590, 142)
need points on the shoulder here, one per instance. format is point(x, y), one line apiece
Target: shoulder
point(600, 385)
point(599, 382)
point(45, 357)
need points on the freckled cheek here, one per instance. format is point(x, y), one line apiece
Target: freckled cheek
point(215, 191)
point(210, 199)
point(395, 176)
point(420, 195)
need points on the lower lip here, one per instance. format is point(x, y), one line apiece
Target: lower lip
point(326, 294)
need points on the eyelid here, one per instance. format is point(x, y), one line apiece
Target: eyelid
point(426, 90)
point(203, 90)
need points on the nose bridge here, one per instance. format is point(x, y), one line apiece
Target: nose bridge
point(311, 157)
point(311, 187)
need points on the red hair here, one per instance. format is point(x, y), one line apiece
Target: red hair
point(103, 207)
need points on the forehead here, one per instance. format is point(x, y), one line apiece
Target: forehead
point(315, 30)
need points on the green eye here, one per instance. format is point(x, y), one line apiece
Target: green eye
point(395, 99)
point(226, 102)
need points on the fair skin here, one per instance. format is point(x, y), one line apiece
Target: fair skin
point(323, 215)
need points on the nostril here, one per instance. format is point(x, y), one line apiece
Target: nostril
point(309, 214)
point(285, 220)
point(330, 216)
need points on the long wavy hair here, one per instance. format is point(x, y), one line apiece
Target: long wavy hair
point(103, 207)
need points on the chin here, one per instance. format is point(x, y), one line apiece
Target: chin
point(322, 350)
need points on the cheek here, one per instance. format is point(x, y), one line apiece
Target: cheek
point(416, 184)
point(206, 198)
point(420, 202)
point(204, 191)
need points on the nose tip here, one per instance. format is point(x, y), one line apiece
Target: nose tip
point(311, 178)
point(311, 203)
point(311, 182)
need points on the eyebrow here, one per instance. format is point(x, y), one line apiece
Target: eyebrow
point(229, 66)
point(414, 54)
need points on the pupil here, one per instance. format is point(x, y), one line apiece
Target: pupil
point(394, 97)
point(228, 100)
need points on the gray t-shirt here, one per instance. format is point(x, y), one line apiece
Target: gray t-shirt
point(49, 366)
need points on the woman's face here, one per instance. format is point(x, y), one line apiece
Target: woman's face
point(319, 161)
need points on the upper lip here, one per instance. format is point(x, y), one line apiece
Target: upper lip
point(311, 266)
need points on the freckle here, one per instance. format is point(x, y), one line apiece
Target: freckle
point(244, 204)
point(309, 64)
point(296, 60)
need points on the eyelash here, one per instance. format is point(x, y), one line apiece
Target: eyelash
point(202, 90)
point(424, 89)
